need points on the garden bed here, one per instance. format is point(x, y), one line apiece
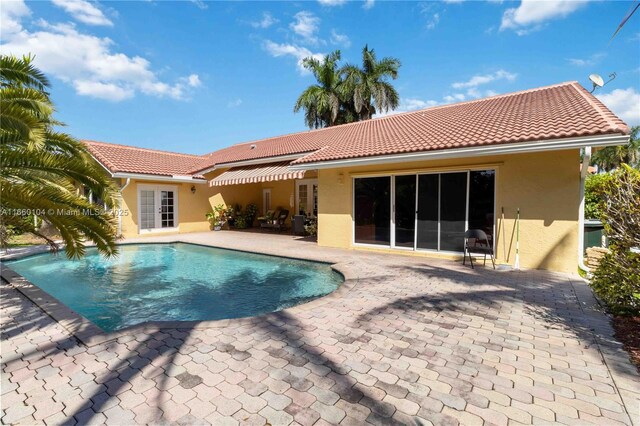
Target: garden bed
point(627, 331)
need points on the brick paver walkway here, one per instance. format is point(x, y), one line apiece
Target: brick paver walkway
point(416, 341)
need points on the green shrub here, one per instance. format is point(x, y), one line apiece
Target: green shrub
point(617, 279)
point(593, 192)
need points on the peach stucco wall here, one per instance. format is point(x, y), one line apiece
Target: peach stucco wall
point(545, 186)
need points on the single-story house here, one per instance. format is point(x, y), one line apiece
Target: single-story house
point(406, 183)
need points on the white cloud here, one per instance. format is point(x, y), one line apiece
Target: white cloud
point(108, 91)
point(278, 50)
point(83, 11)
point(532, 14)
point(306, 25)
point(11, 13)
point(625, 103)
point(234, 103)
point(478, 80)
point(453, 1)
point(331, 3)
point(456, 97)
point(266, 21)
point(90, 64)
point(340, 39)
point(431, 12)
point(591, 60)
point(368, 4)
point(200, 4)
point(193, 80)
point(409, 104)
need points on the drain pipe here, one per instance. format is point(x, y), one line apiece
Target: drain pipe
point(120, 212)
point(586, 160)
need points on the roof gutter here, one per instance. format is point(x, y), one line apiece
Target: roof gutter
point(512, 148)
point(121, 200)
point(586, 160)
point(174, 178)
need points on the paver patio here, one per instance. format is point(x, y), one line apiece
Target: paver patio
point(415, 341)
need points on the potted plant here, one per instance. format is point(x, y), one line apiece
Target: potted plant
point(216, 217)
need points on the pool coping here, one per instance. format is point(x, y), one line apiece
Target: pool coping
point(90, 334)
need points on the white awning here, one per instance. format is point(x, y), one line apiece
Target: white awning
point(258, 173)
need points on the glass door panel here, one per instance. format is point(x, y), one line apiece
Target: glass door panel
point(453, 208)
point(147, 209)
point(428, 194)
point(481, 201)
point(405, 210)
point(372, 210)
point(167, 209)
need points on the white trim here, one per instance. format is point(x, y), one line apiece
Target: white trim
point(99, 162)
point(586, 159)
point(309, 182)
point(263, 160)
point(156, 190)
point(512, 148)
point(120, 205)
point(266, 207)
point(140, 176)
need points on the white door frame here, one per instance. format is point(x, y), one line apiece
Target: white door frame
point(266, 207)
point(309, 182)
point(156, 189)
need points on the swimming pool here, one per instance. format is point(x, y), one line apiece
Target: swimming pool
point(176, 282)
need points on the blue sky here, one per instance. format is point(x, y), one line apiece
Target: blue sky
point(195, 76)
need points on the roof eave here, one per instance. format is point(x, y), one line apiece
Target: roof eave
point(174, 178)
point(511, 148)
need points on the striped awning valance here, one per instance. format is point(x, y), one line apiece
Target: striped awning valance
point(255, 174)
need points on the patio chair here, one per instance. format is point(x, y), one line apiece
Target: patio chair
point(477, 242)
point(281, 222)
point(266, 218)
point(269, 220)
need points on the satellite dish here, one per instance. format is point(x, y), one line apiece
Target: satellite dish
point(596, 80)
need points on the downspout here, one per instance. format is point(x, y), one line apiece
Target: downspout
point(586, 160)
point(120, 212)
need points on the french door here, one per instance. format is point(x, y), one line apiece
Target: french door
point(307, 197)
point(423, 211)
point(158, 208)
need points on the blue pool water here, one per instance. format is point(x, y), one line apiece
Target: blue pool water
point(176, 282)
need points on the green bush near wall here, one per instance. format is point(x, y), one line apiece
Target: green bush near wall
point(617, 279)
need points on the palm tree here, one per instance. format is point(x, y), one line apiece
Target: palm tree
point(322, 101)
point(371, 92)
point(612, 157)
point(42, 170)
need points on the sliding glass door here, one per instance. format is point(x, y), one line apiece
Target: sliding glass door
point(372, 210)
point(424, 211)
point(453, 211)
point(405, 210)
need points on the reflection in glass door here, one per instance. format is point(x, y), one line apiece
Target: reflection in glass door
point(147, 209)
point(428, 211)
point(405, 210)
point(158, 207)
point(167, 209)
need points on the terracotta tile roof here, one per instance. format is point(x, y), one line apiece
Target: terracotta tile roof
point(564, 110)
point(129, 159)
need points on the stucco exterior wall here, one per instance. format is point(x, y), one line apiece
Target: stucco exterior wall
point(191, 207)
point(545, 186)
